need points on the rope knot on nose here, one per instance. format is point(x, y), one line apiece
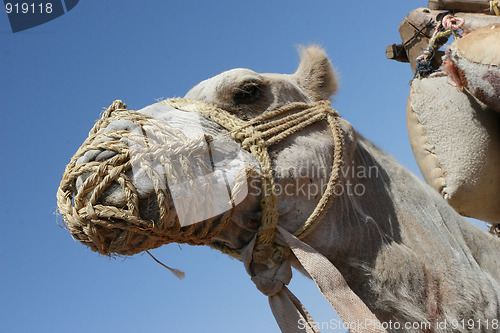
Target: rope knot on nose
point(249, 142)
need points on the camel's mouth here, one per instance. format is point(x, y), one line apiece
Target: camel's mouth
point(141, 178)
point(147, 178)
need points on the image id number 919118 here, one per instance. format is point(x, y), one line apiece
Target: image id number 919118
point(28, 8)
point(26, 14)
point(469, 324)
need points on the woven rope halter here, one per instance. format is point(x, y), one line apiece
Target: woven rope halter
point(258, 134)
point(109, 229)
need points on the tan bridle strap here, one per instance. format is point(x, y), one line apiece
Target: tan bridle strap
point(277, 124)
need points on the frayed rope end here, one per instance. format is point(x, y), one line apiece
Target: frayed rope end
point(178, 273)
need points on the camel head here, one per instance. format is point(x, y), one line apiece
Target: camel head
point(304, 158)
point(177, 173)
point(249, 94)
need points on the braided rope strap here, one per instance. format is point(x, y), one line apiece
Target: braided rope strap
point(109, 229)
point(449, 25)
point(263, 131)
point(266, 260)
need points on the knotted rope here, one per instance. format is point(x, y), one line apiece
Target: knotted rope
point(109, 229)
point(446, 27)
point(258, 134)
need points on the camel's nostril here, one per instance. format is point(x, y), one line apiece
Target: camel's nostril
point(105, 155)
point(89, 156)
point(98, 155)
point(114, 195)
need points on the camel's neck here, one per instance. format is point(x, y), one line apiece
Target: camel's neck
point(363, 215)
point(393, 236)
point(398, 244)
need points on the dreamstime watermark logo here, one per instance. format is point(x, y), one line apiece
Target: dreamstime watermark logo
point(26, 14)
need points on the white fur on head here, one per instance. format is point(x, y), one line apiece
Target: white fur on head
point(315, 73)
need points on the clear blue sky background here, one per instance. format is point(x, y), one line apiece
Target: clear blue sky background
point(56, 78)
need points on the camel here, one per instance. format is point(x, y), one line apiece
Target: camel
point(401, 248)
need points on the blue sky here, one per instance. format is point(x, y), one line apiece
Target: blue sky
point(55, 80)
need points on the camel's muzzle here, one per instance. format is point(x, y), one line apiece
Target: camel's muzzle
point(143, 179)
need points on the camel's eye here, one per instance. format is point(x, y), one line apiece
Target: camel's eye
point(248, 93)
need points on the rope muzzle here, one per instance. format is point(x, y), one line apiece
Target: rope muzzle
point(124, 230)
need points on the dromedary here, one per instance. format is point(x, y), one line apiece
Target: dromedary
point(407, 254)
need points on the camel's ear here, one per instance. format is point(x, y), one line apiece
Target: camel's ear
point(315, 73)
